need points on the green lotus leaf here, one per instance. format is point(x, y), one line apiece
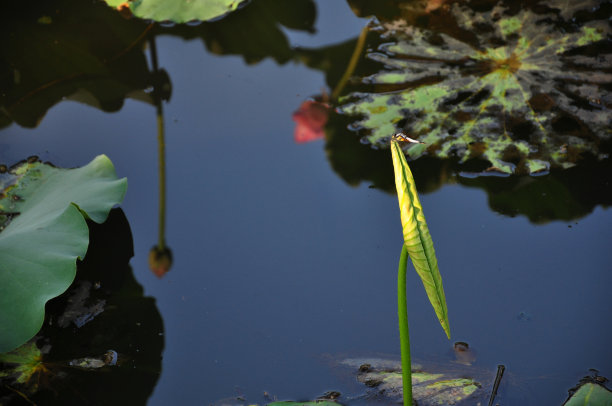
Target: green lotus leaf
point(522, 90)
point(43, 232)
point(179, 11)
point(590, 394)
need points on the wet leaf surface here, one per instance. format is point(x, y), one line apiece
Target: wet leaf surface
point(522, 89)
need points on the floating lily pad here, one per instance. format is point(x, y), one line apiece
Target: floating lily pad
point(429, 387)
point(179, 11)
point(519, 89)
point(43, 232)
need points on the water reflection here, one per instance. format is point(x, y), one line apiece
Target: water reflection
point(160, 256)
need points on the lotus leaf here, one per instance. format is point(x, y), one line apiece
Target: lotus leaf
point(444, 387)
point(43, 232)
point(179, 11)
point(522, 89)
point(590, 391)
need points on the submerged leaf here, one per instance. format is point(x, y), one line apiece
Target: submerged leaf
point(179, 11)
point(23, 363)
point(522, 90)
point(417, 239)
point(43, 233)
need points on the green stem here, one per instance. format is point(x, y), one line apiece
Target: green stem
point(402, 312)
point(352, 63)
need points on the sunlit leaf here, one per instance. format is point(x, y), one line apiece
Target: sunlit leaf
point(519, 89)
point(179, 11)
point(416, 236)
point(43, 232)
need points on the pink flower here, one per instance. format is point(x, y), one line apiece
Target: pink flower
point(310, 121)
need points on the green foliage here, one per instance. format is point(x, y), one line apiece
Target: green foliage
point(590, 394)
point(522, 90)
point(439, 385)
point(43, 232)
point(25, 361)
point(417, 239)
point(179, 11)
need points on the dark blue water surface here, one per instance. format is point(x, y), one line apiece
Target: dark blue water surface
point(278, 261)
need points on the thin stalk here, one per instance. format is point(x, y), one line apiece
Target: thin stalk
point(161, 148)
point(402, 313)
point(352, 63)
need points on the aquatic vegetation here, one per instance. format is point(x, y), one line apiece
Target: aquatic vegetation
point(418, 244)
point(521, 89)
point(177, 11)
point(432, 385)
point(43, 231)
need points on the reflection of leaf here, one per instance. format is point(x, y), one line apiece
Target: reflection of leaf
point(47, 233)
point(179, 11)
point(254, 31)
point(87, 53)
point(417, 239)
point(526, 94)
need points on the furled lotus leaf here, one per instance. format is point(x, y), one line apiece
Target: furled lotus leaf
point(520, 89)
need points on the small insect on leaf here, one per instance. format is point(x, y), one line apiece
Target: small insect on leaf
point(401, 137)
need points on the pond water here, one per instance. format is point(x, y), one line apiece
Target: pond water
point(280, 264)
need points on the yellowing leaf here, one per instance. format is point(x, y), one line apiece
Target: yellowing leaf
point(416, 236)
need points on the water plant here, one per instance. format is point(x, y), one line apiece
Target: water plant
point(43, 230)
point(418, 244)
point(524, 89)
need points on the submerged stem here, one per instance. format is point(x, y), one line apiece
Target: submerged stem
point(402, 313)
